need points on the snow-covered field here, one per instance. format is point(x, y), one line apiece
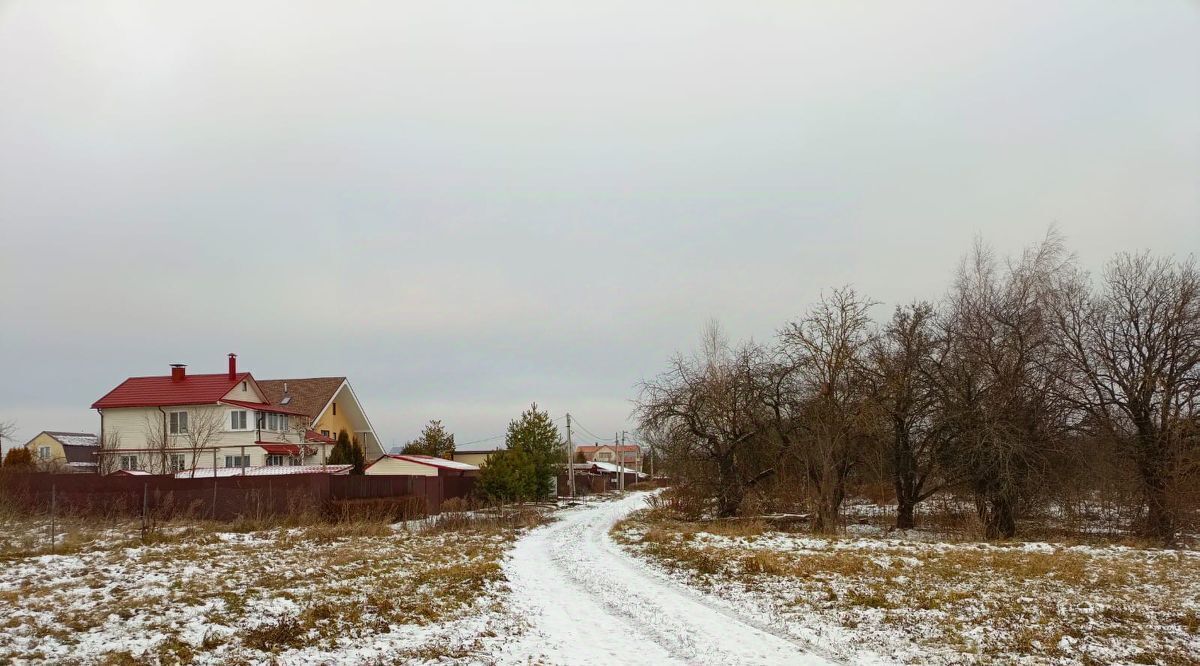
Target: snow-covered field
point(897, 600)
point(322, 594)
point(586, 588)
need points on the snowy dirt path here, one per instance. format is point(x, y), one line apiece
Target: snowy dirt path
point(587, 602)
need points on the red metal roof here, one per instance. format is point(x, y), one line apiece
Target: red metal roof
point(263, 407)
point(314, 436)
point(280, 449)
point(162, 391)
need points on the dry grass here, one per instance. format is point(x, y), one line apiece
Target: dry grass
point(964, 601)
point(204, 589)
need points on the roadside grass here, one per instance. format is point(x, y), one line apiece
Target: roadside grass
point(931, 602)
point(215, 593)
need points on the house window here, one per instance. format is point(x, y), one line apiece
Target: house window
point(325, 433)
point(178, 423)
point(243, 386)
point(295, 461)
point(275, 460)
point(335, 409)
point(237, 419)
point(44, 452)
point(237, 461)
point(177, 462)
point(275, 422)
point(129, 462)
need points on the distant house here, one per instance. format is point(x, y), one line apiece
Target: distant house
point(169, 423)
point(610, 471)
point(219, 472)
point(629, 455)
point(416, 465)
point(57, 451)
point(477, 457)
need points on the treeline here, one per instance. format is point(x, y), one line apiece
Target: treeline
point(1028, 380)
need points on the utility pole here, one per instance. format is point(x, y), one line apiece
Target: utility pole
point(620, 442)
point(570, 459)
point(636, 458)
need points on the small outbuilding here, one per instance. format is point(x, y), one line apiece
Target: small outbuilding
point(58, 451)
point(417, 465)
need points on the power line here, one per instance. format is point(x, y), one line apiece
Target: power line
point(598, 438)
point(477, 441)
point(501, 435)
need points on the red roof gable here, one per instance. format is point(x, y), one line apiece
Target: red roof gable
point(163, 391)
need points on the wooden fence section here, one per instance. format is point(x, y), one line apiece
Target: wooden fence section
point(220, 498)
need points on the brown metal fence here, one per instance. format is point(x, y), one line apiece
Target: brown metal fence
point(220, 498)
point(585, 484)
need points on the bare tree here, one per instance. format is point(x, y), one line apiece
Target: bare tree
point(8, 430)
point(203, 432)
point(901, 387)
point(110, 443)
point(702, 410)
point(158, 442)
point(828, 424)
point(995, 377)
point(1134, 350)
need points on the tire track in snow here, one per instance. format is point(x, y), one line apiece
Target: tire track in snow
point(586, 600)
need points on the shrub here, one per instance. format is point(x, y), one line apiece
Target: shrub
point(19, 457)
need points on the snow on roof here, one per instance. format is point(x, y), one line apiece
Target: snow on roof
point(75, 438)
point(274, 470)
point(433, 461)
point(623, 448)
point(606, 467)
point(131, 472)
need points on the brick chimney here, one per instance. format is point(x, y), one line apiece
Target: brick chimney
point(178, 372)
point(233, 366)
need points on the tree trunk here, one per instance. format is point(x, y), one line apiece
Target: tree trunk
point(904, 513)
point(730, 491)
point(1160, 515)
point(1152, 467)
point(904, 476)
point(829, 505)
point(998, 513)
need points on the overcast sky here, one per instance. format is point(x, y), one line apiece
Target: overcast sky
point(468, 206)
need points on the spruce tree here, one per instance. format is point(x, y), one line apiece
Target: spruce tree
point(358, 457)
point(433, 441)
point(508, 476)
point(343, 451)
point(536, 436)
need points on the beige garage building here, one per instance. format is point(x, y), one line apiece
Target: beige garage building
point(416, 465)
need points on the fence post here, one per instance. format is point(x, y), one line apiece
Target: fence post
point(53, 508)
point(145, 501)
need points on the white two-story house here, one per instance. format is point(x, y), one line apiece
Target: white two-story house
point(181, 421)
